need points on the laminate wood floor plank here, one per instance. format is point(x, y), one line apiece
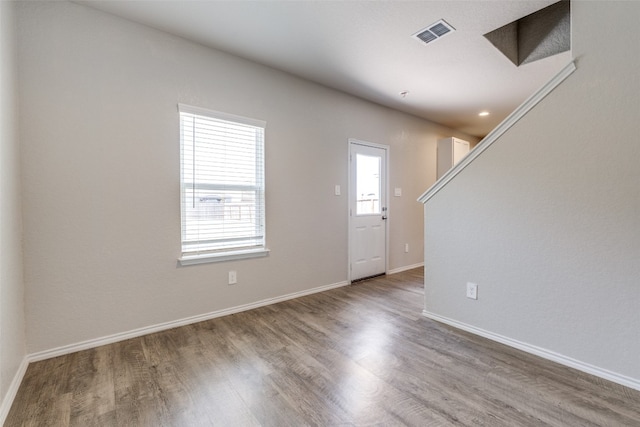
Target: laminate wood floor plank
point(93, 398)
point(263, 398)
point(443, 388)
point(361, 355)
point(208, 364)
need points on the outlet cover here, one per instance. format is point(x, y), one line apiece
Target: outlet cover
point(233, 277)
point(472, 290)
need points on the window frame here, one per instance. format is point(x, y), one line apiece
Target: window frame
point(207, 255)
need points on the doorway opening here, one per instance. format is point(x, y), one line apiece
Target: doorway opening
point(367, 210)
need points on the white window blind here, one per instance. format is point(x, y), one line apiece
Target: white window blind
point(222, 182)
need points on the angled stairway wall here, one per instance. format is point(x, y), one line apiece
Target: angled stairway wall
point(545, 221)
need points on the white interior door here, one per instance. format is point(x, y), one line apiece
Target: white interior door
point(367, 210)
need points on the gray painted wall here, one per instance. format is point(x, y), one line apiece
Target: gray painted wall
point(99, 129)
point(545, 221)
point(12, 324)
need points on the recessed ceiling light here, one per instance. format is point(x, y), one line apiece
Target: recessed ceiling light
point(483, 113)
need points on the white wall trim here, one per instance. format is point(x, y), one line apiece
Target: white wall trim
point(224, 256)
point(13, 390)
point(405, 268)
point(496, 133)
point(96, 342)
point(109, 339)
point(539, 351)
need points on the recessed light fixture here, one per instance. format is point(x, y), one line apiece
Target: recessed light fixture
point(483, 113)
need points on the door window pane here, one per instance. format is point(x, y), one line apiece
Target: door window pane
point(367, 185)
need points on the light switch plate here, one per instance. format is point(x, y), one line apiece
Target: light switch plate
point(233, 277)
point(397, 192)
point(472, 290)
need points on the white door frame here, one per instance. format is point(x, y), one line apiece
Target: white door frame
point(387, 149)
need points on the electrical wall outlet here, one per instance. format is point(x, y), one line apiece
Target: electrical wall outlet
point(233, 277)
point(472, 290)
point(406, 248)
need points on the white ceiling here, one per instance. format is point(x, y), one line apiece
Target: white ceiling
point(365, 48)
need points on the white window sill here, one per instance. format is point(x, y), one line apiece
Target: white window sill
point(223, 256)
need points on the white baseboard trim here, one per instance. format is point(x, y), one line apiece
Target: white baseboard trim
point(405, 268)
point(13, 390)
point(84, 345)
point(539, 351)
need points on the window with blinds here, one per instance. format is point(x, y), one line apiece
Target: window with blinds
point(222, 183)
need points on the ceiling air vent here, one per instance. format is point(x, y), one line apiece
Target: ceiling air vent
point(434, 31)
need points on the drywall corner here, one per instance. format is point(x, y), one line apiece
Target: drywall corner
point(12, 316)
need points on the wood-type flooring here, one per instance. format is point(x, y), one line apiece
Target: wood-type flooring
point(360, 355)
